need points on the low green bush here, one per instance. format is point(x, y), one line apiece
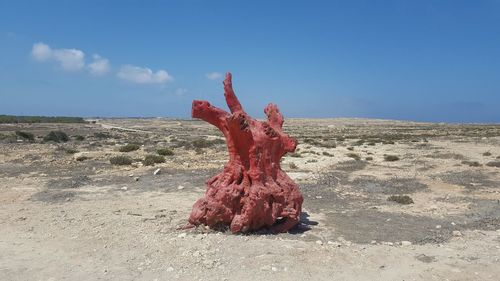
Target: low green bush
point(354, 156)
point(471, 163)
point(493, 164)
point(120, 160)
point(70, 150)
point(401, 199)
point(129, 147)
point(165, 151)
point(391, 158)
point(79, 138)
point(56, 136)
point(25, 135)
point(152, 159)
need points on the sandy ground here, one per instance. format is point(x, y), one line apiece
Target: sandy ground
point(64, 219)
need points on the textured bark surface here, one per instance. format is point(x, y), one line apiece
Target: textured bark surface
point(252, 191)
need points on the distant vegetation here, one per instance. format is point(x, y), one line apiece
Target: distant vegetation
point(120, 160)
point(197, 143)
point(25, 135)
point(353, 155)
point(471, 163)
point(401, 199)
point(391, 158)
point(129, 147)
point(152, 159)
point(493, 164)
point(39, 119)
point(56, 136)
point(70, 150)
point(165, 152)
point(79, 138)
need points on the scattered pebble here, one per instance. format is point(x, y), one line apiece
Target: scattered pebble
point(456, 233)
point(182, 235)
point(438, 226)
point(319, 242)
point(136, 178)
point(124, 188)
point(157, 171)
point(180, 187)
point(266, 268)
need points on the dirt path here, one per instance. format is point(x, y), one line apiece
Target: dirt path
point(129, 235)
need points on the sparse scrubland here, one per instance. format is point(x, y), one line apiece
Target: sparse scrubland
point(400, 200)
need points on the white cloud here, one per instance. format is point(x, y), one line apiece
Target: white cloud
point(69, 59)
point(41, 52)
point(74, 60)
point(99, 66)
point(143, 75)
point(214, 75)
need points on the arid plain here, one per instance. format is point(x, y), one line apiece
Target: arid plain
point(384, 200)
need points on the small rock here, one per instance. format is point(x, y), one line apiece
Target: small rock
point(319, 197)
point(438, 226)
point(274, 268)
point(334, 244)
point(136, 178)
point(182, 235)
point(456, 233)
point(131, 175)
point(405, 243)
point(373, 242)
point(170, 269)
point(157, 171)
point(180, 187)
point(124, 188)
point(453, 223)
point(319, 242)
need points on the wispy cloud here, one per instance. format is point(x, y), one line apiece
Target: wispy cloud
point(68, 59)
point(181, 92)
point(99, 66)
point(143, 75)
point(214, 75)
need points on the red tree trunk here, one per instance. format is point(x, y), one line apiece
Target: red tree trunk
point(252, 191)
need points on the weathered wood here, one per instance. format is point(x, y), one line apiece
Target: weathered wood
point(252, 191)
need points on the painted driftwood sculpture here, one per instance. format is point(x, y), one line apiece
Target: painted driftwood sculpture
point(252, 191)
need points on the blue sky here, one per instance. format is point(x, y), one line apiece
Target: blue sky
point(407, 60)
